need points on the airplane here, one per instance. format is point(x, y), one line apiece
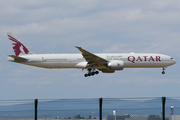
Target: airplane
point(105, 62)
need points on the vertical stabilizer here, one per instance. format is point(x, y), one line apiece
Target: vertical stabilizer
point(18, 47)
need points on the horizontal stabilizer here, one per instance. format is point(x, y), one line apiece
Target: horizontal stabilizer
point(17, 57)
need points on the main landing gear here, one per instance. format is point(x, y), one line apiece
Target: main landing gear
point(163, 72)
point(91, 73)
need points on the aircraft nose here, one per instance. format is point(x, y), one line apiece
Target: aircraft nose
point(173, 61)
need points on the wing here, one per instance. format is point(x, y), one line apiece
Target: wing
point(93, 59)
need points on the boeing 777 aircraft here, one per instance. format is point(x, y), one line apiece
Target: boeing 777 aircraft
point(105, 62)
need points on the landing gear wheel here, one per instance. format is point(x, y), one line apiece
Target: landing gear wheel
point(92, 73)
point(97, 72)
point(85, 75)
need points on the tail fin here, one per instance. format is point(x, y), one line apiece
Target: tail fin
point(18, 47)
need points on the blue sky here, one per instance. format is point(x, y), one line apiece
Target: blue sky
point(99, 26)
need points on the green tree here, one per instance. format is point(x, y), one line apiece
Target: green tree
point(77, 116)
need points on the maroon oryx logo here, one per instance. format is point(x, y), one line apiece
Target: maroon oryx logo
point(18, 47)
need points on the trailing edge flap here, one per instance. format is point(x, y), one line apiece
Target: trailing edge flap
point(17, 57)
point(91, 58)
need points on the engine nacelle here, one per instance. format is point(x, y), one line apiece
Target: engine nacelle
point(116, 65)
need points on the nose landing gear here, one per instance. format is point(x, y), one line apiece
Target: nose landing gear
point(163, 72)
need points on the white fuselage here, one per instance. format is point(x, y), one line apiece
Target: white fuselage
point(105, 62)
point(131, 60)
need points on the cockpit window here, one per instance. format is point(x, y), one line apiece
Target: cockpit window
point(171, 58)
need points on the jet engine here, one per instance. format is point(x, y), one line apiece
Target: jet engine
point(116, 65)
